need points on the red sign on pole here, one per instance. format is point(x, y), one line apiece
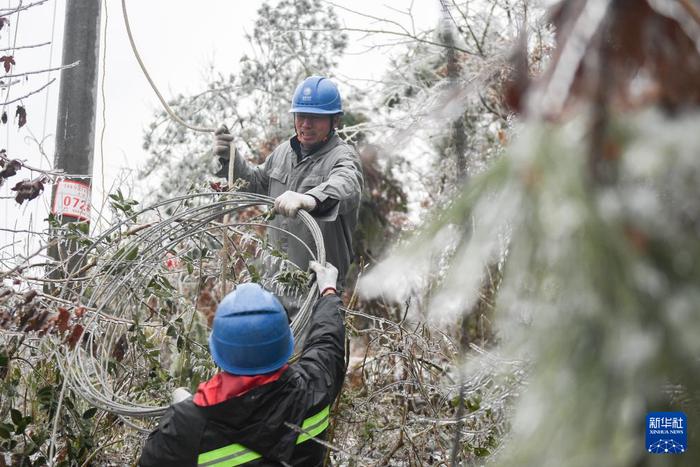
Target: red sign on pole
point(72, 199)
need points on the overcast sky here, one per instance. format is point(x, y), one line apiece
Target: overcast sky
point(178, 40)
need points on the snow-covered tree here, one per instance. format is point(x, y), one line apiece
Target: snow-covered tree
point(594, 212)
point(254, 102)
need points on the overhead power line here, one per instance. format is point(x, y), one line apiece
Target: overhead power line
point(167, 108)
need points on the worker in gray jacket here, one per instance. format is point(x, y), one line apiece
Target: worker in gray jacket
point(315, 171)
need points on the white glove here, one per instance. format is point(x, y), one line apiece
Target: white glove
point(222, 142)
point(326, 276)
point(289, 202)
point(180, 394)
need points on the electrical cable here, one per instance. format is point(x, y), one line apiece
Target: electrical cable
point(137, 315)
point(104, 106)
point(167, 108)
point(48, 77)
point(111, 365)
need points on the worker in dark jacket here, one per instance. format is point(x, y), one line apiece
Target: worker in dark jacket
point(259, 410)
point(315, 171)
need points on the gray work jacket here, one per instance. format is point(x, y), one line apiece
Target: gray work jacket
point(333, 171)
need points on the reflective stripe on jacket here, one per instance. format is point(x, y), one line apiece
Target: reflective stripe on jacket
point(269, 425)
point(333, 171)
point(237, 454)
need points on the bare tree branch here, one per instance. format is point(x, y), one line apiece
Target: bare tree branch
point(389, 33)
point(383, 20)
point(34, 72)
point(26, 46)
point(12, 11)
point(31, 93)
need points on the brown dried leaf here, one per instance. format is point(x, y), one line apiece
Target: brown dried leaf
point(207, 301)
point(5, 320)
point(120, 348)
point(10, 169)
point(75, 335)
point(29, 296)
point(218, 186)
point(29, 189)
point(61, 320)
point(8, 61)
point(27, 313)
point(152, 303)
point(79, 312)
point(21, 114)
point(38, 322)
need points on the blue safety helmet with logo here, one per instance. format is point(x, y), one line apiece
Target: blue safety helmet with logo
point(250, 334)
point(317, 95)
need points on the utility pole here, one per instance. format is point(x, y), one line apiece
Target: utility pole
point(458, 137)
point(75, 129)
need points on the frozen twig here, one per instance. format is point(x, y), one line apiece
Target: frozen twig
point(31, 93)
point(12, 11)
point(386, 32)
point(31, 46)
point(46, 70)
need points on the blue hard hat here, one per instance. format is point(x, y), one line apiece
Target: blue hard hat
point(317, 95)
point(250, 334)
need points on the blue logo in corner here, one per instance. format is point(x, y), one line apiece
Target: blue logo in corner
point(667, 433)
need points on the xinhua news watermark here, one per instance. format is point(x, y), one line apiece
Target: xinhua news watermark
point(666, 433)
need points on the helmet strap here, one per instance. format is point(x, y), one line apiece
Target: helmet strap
point(331, 131)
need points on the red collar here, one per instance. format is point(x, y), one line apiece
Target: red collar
point(224, 386)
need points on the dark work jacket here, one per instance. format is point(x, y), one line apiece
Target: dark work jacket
point(256, 421)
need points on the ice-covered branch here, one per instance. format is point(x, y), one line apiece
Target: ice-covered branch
point(46, 70)
point(411, 36)
point(31, 46)
point(31, 93)
point(13, 10)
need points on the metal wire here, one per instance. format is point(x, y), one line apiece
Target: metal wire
point(145, 290)
point(162, 100)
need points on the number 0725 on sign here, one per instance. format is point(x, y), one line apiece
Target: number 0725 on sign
point(72, 199)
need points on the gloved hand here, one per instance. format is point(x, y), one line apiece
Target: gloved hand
point(289, 202)
point(222, 142)
point(180, 394)
point(326, 276)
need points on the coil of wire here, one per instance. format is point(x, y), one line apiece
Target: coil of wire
point(152, 285)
